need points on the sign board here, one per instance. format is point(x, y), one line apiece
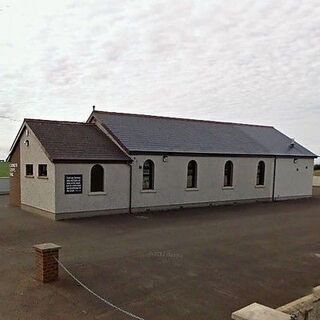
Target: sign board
point(13, 169)
point(73, 183)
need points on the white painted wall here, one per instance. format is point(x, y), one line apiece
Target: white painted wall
point(4, 185)
point(115, 197)
point(171, 179)
point(36, 192)
point(293, 179)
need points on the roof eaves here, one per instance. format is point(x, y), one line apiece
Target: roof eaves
point(90, 116)
point(312, 154)
point(220, 154)
point(55, 121)
point(68, 160)
point(116, 138)
point(16, 139)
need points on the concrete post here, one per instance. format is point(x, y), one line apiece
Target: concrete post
point(47, 268)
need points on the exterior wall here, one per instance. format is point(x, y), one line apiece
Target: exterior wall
point(170, 183)
point(36, 192)
point(114, 199)
point(171, 178)
point(15, 188)
point(293, 179)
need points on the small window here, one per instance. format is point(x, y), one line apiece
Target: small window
point(192, 174)
point(260, 173)
point(29, 169)
point(42, 170)
point(228, 174)
point(97, 178)
point(148, 175)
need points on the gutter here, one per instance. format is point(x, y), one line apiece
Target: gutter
point(88, 161)
point(212, 154)
point(130, 189)
point(274, 178)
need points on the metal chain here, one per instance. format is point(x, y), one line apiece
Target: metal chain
point(95, 294)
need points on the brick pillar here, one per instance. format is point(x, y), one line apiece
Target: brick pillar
point(47, 268)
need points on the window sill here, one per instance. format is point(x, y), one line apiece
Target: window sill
point(98, 193)
point(260, 186)
point(228, 188)
point(43, 177)
point(148, 191)
point(191, 189)
point(29, 176)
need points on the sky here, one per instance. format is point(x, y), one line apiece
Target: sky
point(243, 61)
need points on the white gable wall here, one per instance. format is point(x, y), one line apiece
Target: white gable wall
point(293, 178)
point(36, 192)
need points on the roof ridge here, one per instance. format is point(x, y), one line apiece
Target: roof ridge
point(181, 119)
point(55, 121)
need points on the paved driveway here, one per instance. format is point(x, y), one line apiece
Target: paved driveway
point(189, 264)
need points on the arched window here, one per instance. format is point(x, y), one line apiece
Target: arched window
point(192, 174)
point(260, 173)
point(148, 175)
point(228, 174)
point(97, 179)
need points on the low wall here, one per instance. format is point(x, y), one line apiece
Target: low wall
point(307, 307)
point(4, 185)
point(316, 181)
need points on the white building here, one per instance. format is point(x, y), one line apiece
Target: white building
point(117, 163)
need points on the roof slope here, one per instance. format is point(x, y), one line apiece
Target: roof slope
point(75, 141)
point(142, 133)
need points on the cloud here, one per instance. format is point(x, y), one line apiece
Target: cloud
point(246, 61)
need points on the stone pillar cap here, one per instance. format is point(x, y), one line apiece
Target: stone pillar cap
point(46, 247)
point(256, 311)
point(316, 292)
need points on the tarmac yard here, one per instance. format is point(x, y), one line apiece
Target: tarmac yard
point(186, 264)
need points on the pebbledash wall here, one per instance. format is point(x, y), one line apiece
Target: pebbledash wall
point(170, 185)
point(170, 181)
point(293, 179)
point(114, 199)
point(46, 195)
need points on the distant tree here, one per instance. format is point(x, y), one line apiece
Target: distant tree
point(317, 167)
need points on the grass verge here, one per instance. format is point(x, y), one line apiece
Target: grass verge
point(4, 169)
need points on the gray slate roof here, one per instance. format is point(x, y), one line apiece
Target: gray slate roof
point(142, 133)
point(75, 141)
